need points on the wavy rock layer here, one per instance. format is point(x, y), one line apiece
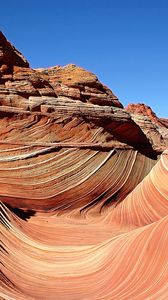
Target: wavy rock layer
point(119, 255)
point(83, 185)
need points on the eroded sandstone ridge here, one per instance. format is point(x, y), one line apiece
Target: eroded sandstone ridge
point(83, 185)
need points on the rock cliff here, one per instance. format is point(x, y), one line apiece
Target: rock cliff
point(83, 185)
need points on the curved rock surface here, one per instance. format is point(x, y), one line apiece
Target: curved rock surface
point(83, 185)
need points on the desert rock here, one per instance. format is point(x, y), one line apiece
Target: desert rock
point(83, 185)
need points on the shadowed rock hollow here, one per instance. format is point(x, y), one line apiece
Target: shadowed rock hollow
point(83, 185)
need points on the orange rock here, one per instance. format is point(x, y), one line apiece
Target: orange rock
point(83, 186)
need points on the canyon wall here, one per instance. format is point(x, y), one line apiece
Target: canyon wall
point(83, 187)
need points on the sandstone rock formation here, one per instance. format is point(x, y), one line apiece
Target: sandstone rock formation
point(156, 129)
point(83, 185)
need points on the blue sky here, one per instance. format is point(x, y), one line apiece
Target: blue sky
point(124, 42)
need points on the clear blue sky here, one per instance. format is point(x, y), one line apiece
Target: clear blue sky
point(124, 42)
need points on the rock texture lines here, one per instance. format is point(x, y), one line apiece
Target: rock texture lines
point(83, 188)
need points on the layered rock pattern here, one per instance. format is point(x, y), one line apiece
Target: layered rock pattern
point(83, 185)
point(156, 129)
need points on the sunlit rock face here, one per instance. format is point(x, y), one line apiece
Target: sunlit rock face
point(83, 185)
point(156, 129)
